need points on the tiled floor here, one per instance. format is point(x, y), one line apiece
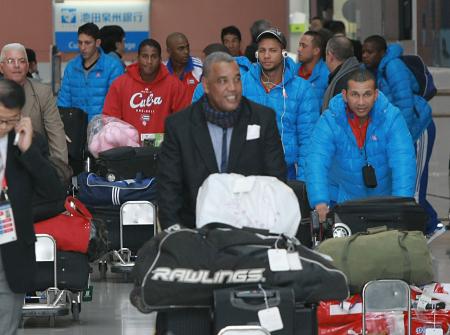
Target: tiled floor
point(110, 313)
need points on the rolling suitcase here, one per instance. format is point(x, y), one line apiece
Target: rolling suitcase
point(72, 272)
point(184, 321)
point(400, 213)
point(240, 306)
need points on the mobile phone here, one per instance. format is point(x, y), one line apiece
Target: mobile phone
point(16, 139)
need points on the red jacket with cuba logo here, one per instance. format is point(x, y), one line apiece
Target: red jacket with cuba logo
point(145, 105)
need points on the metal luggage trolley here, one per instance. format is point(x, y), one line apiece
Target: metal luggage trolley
point(132, 213)
point(53, 302)
point(387, 296)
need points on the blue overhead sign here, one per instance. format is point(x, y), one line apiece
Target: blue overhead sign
point(132, 16)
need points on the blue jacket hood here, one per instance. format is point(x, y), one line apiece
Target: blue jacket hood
point(393, 51)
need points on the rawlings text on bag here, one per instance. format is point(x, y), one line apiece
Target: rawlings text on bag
point(97, 191)
point(388, 254)
point(183, 267)
point(71, 229)
point(260, 202)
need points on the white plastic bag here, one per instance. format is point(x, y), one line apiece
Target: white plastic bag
point(256, 201)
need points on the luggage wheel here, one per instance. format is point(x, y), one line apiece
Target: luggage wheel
point(103, 268)
point(76, 309)
point(51, 321)
point(75, 305)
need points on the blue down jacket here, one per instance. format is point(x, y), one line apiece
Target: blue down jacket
point(88, 92)
point(318, 78)
point(398, 84)
point(297, 111)
point(333, 147)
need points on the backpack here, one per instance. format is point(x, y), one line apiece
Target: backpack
point(427, 88)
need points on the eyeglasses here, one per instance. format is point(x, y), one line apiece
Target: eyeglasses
point(15, 61)
point(10, 122)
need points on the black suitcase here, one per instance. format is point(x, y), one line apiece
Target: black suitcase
point(127, 163)
point(72, 272)
point(184, 321)
point(240, 306)
point(305, 320)
point(75, 125)
point(394, 212)
point(133, 236)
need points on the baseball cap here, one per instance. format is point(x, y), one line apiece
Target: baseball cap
point(275, 33)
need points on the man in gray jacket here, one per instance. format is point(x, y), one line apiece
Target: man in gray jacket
point(40, 104)
point(340, 62)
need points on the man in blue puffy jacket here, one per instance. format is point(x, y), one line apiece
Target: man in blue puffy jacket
point(365, 141)
point(272, 82)
point(311, 65)
point(400, 86)
point(88, 76)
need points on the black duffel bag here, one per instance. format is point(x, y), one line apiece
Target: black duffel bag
point(399, 213)
point(124, 163)
point(182, 267)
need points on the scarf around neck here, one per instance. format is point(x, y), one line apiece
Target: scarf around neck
point(221, 119)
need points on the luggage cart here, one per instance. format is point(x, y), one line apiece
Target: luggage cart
point(53, 302)
point(132, 213)
point(388, 296)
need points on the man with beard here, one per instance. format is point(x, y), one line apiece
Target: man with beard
point(311, 65)
point(365, 141)
point(272, 82)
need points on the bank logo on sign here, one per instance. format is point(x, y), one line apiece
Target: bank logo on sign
point(69, 15)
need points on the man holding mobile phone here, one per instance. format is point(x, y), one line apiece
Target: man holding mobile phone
point(23, 171)
point(360, 147)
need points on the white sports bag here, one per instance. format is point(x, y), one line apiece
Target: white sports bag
point(260, 202)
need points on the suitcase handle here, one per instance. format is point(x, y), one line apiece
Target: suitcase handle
point(254, 300)
point(254, 294)
point(77, 208)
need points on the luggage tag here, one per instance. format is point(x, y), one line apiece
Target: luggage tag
point(7, 224)
point(434, 331)
point(269, 318)
point(423, 301)
point(294, 261)
point(278, 260)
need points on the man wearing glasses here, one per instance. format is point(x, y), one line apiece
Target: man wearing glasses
point(23, 169)
point(40, 105)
